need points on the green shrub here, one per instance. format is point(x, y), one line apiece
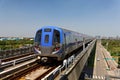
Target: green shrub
point(12, 44)
point(113, 46)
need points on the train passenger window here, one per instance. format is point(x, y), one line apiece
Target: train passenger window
point(46, 38)
point(56, 37)
point(38, 36)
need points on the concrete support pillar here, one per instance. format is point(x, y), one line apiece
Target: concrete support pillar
point(83, 43)
point(0, 62)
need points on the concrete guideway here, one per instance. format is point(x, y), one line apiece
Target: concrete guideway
point(73, 71)
point(103, 67)
point(5, 74)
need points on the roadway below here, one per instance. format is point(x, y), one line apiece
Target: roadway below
point(104, 64)
point(100, 66)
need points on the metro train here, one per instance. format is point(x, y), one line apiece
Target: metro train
point(57, 43)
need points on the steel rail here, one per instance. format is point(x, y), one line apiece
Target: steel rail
point(16, 61)
point(15, 57)
point(13, 71)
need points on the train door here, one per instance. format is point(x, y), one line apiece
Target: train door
point(47, 37)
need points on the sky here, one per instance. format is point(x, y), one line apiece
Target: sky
point(22, 18)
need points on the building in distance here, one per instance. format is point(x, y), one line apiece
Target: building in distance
point(15, 38)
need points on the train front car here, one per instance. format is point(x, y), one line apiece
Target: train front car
point(48, 43)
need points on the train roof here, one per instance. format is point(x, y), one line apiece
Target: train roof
point(55, 27)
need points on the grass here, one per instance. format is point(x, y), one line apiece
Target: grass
point(113, 46)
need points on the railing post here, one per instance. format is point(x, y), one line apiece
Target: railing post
point(14, 63)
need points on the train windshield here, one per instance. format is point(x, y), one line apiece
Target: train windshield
point(38, 36)
point(56, 36)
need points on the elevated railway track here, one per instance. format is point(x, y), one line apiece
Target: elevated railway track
point(17, 70)
point(32, 70)
point(16, 61)
point(26, 67)
point(15, 57)
point(39, 73)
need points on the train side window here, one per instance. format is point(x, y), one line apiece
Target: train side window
point(46, 38)
point(56, 36)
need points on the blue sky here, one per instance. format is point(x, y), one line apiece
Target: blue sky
point(22, 18)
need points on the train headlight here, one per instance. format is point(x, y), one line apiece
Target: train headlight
point(55, 50)
point(36, 45)
point(57, 47)
point(38, 57)
point(38, 48)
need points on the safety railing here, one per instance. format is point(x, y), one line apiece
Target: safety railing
point(16, 61)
